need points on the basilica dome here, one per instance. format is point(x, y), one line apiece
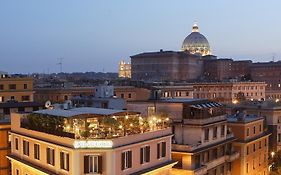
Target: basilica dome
point(196, 43)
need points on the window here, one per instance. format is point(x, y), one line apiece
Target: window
point(279, 137)
point(64, 161)
point(37, 151)
point(126, 158)
point(247, 150)
point(50, 156)
point(215, 130)
point(247, 168)
point(26, 148)
point(12, 98)
point(260, 145)
point(1, 87)
point(21, 109)
point(260, 128)
point(2, 98)
point(254, 147)
point(161, 150)
point(144, 154)
point(16, 143)
point(17, 172)
point(254, 130)
point(122, 95)
point(12, 86)
point(25, 98)
point(222, 130)
point(25, 86)
point(206, 134)
point(92, 164)
point(248, 131)
point(129, 95)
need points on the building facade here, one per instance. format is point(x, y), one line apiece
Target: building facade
point(228, 92)
point(271, 112)
point(202, 144)
point(5, 148)
point(16, 89)
point(166, 66)
point(88, 141)
point(251, 143)
point(124, 70)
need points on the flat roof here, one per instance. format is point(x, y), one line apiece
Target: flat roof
point(243, 118)
point(81, 111)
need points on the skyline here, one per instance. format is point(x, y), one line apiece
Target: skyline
point(96, 35)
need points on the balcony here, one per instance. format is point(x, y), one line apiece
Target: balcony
point(232, 156)
point(213, 163)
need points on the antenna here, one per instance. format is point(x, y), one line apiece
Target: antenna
point(273, 57)
point(60, 63)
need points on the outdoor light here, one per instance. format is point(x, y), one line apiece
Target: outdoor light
point(154, 118)
point(277, 100)
point(235, 101)
point(120, 126)
point(272, 154)
point(167, 119)
point(131, 124)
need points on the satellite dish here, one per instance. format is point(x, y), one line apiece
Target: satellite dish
point(48, 104)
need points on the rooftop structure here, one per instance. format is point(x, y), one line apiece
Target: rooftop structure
point(90, 141)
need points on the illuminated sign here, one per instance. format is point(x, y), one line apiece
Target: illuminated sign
point(93, 144)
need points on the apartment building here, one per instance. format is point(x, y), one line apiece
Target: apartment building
point(16, 89)
point(176, 91)
point(251, 143)
point(89, 141)
point(271, 112)
point(4, 146)
point(201, 145)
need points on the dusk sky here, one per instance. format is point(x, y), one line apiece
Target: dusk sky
point(93, 35)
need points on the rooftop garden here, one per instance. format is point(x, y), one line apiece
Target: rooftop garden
point(96, 127)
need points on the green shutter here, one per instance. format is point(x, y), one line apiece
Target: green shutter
point(86, 164)
point(163, 149)
point(147, 153)
point(123, 161)
point(100, 164)
point(130, 159)
point(141, 156)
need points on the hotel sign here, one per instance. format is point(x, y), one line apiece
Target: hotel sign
point(93, 144)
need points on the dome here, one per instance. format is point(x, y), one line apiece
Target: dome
point(196, 43)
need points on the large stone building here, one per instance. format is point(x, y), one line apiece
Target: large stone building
point(166, 66)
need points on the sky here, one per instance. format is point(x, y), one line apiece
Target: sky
point(94, 35)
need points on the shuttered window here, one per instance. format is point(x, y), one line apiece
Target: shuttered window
point(126, 159)
point(37, 151)
point(64, 161)
point(92, 164)
point(17, 143)
point(144, 154)
point(26, 148)
point(50, 156)
point(161, 150)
